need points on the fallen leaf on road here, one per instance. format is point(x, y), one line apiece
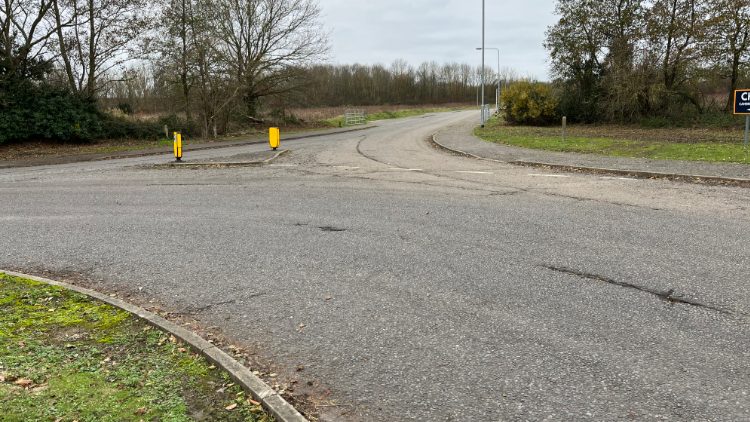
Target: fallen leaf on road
point(58, 419)
point(147, 328)
point(328, 297)
point(299, 368)
point(212, 367)
point(51, 310)
point(253, 402)
point(231, 406)
point(181, 349)
point(302, 325)
point(273, 375)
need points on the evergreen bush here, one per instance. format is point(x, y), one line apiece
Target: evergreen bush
point(529, 103)
point(31, 110)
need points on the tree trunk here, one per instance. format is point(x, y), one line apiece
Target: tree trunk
point(64, 51)
point(733, 81)
point(91, 88)
point(184, 75)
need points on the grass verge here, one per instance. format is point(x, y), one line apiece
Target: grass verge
point(65, 357)
point(31, 150)
point(685, 144)
point(386, 114)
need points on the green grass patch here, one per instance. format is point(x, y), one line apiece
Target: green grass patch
point(66, 357)
point(385, 115)
point(157, 144)
point(601, 140)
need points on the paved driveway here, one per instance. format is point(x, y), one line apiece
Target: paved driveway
point(461, 290)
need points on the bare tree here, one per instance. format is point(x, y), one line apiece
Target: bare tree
point(675, 28)
point(267, 41)
point(99, 40)
point(26, 27)
point(176, 45)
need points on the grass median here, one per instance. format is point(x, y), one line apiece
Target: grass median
point(65, 357)
point(684, 144)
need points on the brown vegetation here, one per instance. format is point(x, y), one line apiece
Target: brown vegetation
point(325, 113)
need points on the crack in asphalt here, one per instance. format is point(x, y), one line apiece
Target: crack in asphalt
point(323, 228)
point(331, 229)
point(667, 296)
point(582, 199)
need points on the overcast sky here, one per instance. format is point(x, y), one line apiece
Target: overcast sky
point(380, 31)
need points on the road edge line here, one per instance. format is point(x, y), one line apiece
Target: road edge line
point(270, 399)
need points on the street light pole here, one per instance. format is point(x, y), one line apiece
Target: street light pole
point(482, 63)
point(497, 93)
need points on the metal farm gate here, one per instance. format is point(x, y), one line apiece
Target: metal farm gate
point(354, 117)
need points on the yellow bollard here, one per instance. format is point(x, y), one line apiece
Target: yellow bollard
point(178, 146)
point(274, 137)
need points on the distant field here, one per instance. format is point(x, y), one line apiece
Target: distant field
point(327, 113)
point(314, 119)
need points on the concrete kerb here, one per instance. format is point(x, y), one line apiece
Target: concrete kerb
point(632, 173)
point(256, 387)
point(227, 163)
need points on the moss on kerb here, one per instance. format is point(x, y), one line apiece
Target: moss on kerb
point(65, 355)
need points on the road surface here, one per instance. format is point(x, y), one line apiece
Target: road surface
point(461, 289)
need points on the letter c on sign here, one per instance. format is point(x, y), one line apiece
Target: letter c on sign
point(744, 96)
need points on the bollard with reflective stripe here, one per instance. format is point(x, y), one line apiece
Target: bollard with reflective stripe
point(274, 137)
point(178, 146)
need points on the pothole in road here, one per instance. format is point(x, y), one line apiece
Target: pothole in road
point(667, 296)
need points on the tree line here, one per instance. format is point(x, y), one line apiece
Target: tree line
point(625, 60)
point(215, 58)
point(401, 83)
point(210, 65)
point(151, 90)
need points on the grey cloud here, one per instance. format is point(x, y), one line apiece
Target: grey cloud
point(444, 31)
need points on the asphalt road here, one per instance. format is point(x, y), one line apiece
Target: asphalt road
point(461, 290)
